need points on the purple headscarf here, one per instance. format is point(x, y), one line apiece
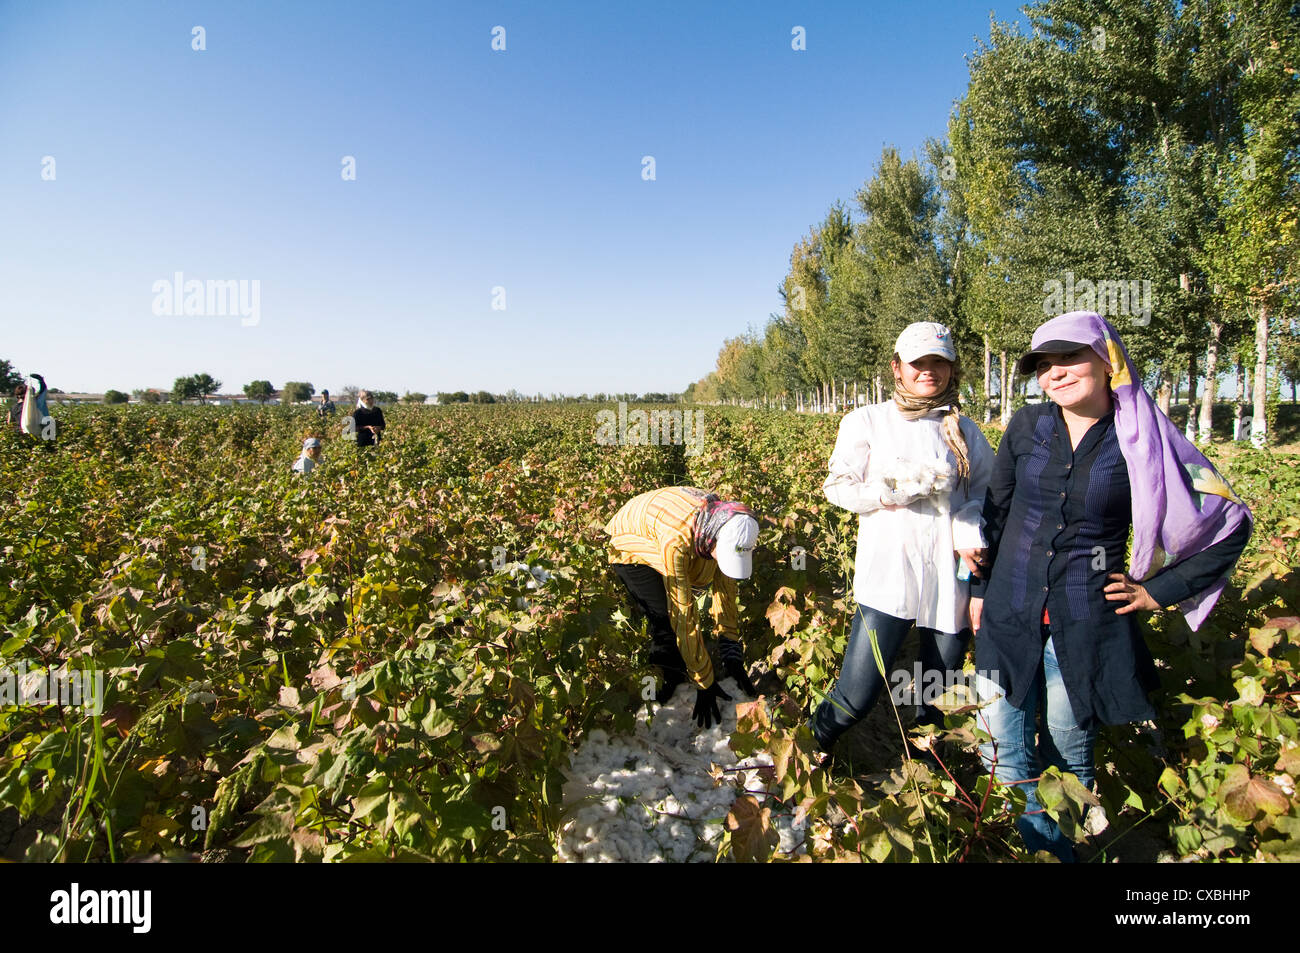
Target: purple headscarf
point(1181, 505)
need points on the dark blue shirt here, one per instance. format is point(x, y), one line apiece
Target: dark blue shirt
point(1057, 521)
point(368, 416)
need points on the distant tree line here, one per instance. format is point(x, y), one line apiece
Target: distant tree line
point(1165, 197)
point(202, 386)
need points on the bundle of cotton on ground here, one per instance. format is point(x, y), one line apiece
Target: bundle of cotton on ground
point(650, 797)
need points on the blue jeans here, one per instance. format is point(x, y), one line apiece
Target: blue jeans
point(1018, 752)
point(860, 682)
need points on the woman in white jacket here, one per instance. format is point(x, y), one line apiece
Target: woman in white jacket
point(915, 471)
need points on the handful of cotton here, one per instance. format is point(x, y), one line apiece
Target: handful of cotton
point(911, 480)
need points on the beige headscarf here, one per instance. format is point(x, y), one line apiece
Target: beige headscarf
point(914, 407)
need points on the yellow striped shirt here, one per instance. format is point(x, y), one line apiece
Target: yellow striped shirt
point(655, 530)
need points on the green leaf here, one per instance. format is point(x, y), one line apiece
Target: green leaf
point(266, 828)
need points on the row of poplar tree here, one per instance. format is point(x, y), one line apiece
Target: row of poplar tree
point(1139, 158)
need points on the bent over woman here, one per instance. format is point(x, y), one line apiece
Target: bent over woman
point(1055, 630)
point(665, 544)
point(914, 470)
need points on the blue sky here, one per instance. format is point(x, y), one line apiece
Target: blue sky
point(475, 170)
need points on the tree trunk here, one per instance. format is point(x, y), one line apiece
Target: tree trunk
point(1259, 419)
point(988, 381)
point(1239, 404)
point(1190, 430)
point(1006, 390)
point(1163, 390)
point(1205, 426)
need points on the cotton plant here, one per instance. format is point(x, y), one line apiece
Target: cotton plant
point(539, 577)
point(651, 797)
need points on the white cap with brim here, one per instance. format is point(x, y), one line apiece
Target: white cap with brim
point(310, 442)
point(735, 547)
point(923, 338)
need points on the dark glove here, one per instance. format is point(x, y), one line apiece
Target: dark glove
point(706, 705)
point(737, 671)
point(733, 662)
point(672, 678)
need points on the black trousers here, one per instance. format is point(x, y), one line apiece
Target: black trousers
point(649, 593)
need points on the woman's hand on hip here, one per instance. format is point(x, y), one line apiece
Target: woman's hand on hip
point(1124, 588)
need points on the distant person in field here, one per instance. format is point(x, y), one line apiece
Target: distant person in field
point(326, 408)
point(914, 470)
point(309, 457)
point(34, 406)
point(1055, 629)
point(14, 416)
point(663, 545)
point(369, 420)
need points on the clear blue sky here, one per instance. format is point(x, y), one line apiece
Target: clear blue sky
point(474, 169)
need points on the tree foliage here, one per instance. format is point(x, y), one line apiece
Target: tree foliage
point(260, 391)
point(1138, 158)
point(296, 392)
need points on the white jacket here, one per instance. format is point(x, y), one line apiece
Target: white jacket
point(905, 564)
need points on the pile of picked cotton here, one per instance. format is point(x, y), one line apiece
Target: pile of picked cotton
point(650, 797)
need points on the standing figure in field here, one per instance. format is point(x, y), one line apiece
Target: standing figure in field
point(14, 416)
point(369, 420)
point(1055, 629)
point(663, 545)
point(309, 457)
point(35, 409)
point(914, 470)
point(326, 408)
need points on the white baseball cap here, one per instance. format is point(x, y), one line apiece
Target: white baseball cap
point(922, 338)
point(735, 547)
point(310, 442)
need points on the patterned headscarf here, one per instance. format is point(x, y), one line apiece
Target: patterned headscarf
point(914, 407)
point(1181, 504)
point(713, 515)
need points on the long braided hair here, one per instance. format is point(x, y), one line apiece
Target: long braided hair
point(914, 407)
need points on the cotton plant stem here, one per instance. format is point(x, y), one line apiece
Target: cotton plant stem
point(916, 787)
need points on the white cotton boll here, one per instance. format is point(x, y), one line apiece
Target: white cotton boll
point(945, 478)
point(914, 487)
point(665, 807)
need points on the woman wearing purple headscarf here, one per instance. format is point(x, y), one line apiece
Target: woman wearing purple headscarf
point(1054, 620)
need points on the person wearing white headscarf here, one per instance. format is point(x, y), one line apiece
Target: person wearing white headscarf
point(309, 457)
point(369, 420)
